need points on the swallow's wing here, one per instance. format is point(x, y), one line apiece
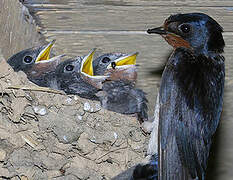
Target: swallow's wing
point(122, 97)
point(117, 97)
point(175, 143)
point(185, 131)
point(74, 84)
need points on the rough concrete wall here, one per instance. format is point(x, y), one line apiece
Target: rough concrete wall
point(17, 28)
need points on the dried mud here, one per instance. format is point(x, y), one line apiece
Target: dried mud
point(45, 134)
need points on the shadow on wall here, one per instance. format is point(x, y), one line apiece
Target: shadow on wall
point(18, 30)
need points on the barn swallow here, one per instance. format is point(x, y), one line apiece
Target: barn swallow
point(122, 97)
point(75, 76)
point(117, 66)
point(191, 94)
point(119, 93)
point(35, 63)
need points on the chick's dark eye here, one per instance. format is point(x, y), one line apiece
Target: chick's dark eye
point(27, 59)
point(69, 68)
point(105, 60)
point(185, 28)
point(113, 64)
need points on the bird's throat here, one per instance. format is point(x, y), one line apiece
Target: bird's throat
point(176, 41)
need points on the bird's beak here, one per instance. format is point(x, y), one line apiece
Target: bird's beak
point(126, 60)
point(173, 39)
point(159, 30)
point(48, 61)
point(86, 66)
point(87, 71)
point(45, 52)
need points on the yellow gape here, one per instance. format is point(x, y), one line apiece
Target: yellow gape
point(45, 53)
point(127, 60)
point(87, 63)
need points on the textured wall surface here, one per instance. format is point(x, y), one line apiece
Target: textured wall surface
point(17, 28)
point(73, 138)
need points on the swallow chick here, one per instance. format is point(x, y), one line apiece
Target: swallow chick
point(119, 93)
point(75, 76)
point(35, 63)
point(191, 94)
point(123, 97)
point(117, 66)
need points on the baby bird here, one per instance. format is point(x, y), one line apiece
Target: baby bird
point(35, 63)
point(75, 76)
point(124, 98)
point(117, 66)
point(119, 93)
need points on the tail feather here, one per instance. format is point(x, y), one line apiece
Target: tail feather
point(148, 171)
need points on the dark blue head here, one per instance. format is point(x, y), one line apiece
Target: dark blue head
point(101, 63)
point(26, 59)
point(68, 67)
point(196, 31)
point(113, 61)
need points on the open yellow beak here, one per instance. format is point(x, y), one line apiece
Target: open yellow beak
point(125, 60)
point(86, 66)
point(45, 53)
point(87, 71)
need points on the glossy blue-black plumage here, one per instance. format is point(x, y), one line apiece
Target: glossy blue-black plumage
point(190, 96)
point(205, 35)
point(191, 103)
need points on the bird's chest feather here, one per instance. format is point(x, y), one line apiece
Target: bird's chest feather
point(197, 82)
point(191, 94)
point(200, 82)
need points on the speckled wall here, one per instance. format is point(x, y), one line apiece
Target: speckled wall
point(17, 28)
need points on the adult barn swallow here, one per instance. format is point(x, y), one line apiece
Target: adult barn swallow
point(191, 94)
point(75, 76)
point(117, 66)
point(35, 63)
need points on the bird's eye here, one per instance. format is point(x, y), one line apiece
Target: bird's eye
point(28, 59)
point(69, 68)
point(113, 64)
point(105, 60)
point(185, 28)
